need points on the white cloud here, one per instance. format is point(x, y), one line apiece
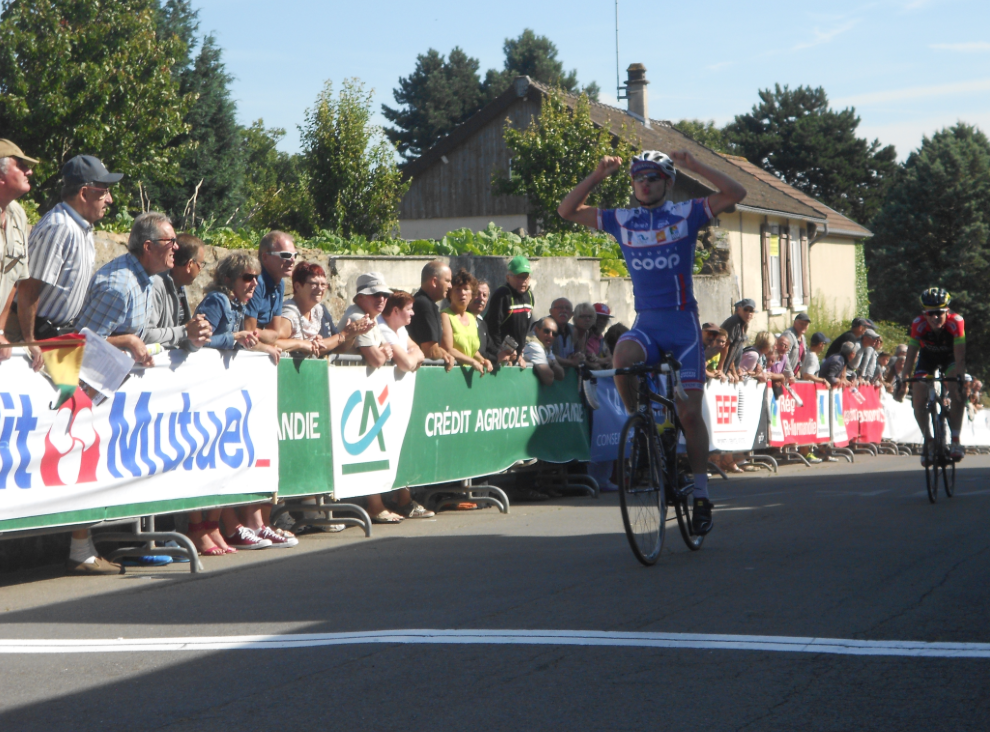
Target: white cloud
point(906, 136)
point(973, 47)
point(822, 37)
point(917, 92)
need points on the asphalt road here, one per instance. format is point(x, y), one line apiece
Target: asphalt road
point(835, 551)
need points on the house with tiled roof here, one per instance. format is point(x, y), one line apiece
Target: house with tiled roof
point(783, 246)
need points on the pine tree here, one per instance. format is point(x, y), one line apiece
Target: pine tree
point(797, 137)
point(439, 95)
point(934, 231)
point(536, 57)
point(706, 133)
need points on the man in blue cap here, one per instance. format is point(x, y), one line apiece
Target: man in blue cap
point(61, 253)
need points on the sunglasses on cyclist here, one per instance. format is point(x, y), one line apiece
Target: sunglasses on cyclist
point(284, 255)
point(649, 177)
point(935, 313)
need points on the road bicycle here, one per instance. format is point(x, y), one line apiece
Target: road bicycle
point(939, 462)
point(652, 476)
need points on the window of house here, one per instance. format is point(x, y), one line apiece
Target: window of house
point(773, 260)
point(797, 266)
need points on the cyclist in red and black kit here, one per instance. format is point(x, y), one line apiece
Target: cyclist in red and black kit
point(938, 339)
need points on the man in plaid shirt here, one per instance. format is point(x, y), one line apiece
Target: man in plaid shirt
point(118, 303)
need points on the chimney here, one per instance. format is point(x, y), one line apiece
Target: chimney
point(636, 92)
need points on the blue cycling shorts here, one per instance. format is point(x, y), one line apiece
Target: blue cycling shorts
point(672, 331)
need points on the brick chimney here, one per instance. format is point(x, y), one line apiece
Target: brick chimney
point(636, 92)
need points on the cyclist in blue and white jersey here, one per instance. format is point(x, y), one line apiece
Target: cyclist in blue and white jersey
point(658, 241)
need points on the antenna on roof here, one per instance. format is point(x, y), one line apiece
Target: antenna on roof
point(618, 84)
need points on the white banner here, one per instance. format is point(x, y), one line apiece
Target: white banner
point(899, 422)
point(196, 424)
point(369, 413)
point(732, 414)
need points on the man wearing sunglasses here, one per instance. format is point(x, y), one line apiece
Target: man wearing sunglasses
point(658, 240)
point(277, 254)
point(938, 340)
point(61, 253)
point(15, 181)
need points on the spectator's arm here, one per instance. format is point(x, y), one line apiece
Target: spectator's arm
point(410, 359)
point(558, 370)
point(5, 353)
point(374, 356)
point(28, 292)
point(544, 372)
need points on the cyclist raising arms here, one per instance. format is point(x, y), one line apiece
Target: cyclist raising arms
point(658, 241)
point(938, 338)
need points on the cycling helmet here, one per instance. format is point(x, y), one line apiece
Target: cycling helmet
point(652, 160)
point(935, 298)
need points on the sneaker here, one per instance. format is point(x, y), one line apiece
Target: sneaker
point(813, 459)
point(413, 510)
point(244, 538)
point(278, 540)
point(701, 520)
point(957, 452)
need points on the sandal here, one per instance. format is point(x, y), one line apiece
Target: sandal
point(386, 517)
point(214, 552)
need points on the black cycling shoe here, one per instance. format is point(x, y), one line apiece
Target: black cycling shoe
point(701, 518)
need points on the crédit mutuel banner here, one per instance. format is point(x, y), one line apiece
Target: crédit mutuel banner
point(391, 429)
point(199, 424)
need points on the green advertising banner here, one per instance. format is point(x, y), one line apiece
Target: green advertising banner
point(463, 425)
point(303, 428)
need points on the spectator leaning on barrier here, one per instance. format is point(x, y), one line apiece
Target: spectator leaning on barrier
point(277, 254)
point(393, 321)
point(810, 365)
point(15, 175)
point(736, 326)
point(596, 337)
point(426, 327)
point(778, 372)
point(856, 330)
point(488, 347)
point(755, 359)
point(369, 302)
point(713, 353)
point(561, 311)
point(586, 341)
point(538, 354)
point(834, 367)
point(171, 322)
point(613, 334)
point(460, 327)
point(798, 346)
point(62, 254)
point(510, 311)
point(308, 318)
point(118, 303)
point(867, 367)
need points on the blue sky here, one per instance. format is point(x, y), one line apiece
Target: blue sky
point(910, 67)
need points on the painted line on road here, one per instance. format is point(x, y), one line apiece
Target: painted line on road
point(781, 644)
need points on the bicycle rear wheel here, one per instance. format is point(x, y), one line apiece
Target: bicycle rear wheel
point(683, 500)
point(948, 467)
point(641, 495)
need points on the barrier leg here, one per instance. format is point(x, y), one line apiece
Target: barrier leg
point(763, 461)
point(713, 466)
point(322, 506)
point(186, 547)
point(486, 494)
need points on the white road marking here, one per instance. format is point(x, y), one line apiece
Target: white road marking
point(838, 646)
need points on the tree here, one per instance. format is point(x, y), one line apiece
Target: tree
point(798, 138)
point(934, 230)
point(536, 57)
point(276, 184)
point(353, 178)
point(439, 95)
point(214, 159)
point(555, 153)
point(706, 133)
point(91, 77)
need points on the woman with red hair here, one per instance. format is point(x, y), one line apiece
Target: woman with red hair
point(313, 332)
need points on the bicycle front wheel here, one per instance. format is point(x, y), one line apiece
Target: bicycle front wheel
point(644, 508)
point(934, 453)
point(948, 467)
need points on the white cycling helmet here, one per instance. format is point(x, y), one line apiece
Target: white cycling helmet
point(653, 160)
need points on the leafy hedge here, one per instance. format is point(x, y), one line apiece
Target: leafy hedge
point(490, 241)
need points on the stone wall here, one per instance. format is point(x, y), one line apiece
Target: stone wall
point(576, 278)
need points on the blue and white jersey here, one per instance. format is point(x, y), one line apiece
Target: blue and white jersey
point(658, 244)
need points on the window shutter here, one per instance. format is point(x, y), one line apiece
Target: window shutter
point(765, 258)
point(806, 269)
point(786, 280)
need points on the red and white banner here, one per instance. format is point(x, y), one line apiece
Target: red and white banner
point(732, 413)
point(864, 415)
point(794, 416)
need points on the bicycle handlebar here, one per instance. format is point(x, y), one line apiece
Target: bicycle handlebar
point(667, 365)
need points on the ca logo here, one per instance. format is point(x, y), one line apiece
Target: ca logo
point(369, 414)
